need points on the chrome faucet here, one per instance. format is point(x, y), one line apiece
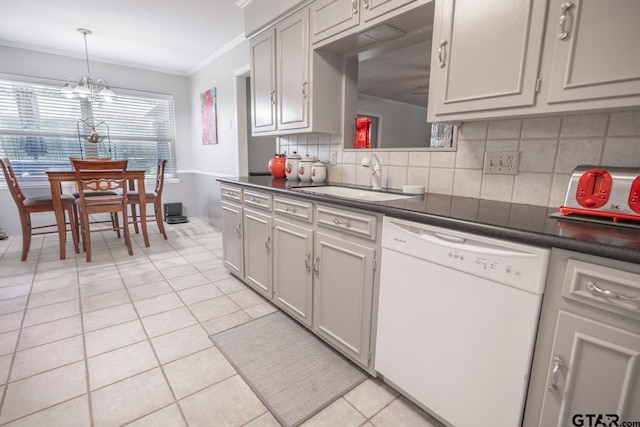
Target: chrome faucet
point(376, 170)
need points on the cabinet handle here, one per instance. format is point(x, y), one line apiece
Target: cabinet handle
point(563, 20)
point(593, 287)
point(339, 222)
point(307, 258)
point(555, 373)
point(238, 230)
point(288, 209)
point(267, 243)
point(255, 200)
point(304, 89)
point(441, 54)
point(354, 5)
point(315, 266)
point(273, 97)
point(366, 4)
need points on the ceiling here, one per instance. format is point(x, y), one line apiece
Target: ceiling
point(400, 74)
point(176, 37)
point(181, 37)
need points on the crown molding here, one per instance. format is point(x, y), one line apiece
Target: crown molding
point(224, 49)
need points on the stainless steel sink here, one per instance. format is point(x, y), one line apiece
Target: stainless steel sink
point(353, 193)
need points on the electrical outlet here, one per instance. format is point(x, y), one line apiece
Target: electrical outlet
point(501, 162)
point(333, 160)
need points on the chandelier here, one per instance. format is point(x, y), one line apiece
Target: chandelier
point(86, 87)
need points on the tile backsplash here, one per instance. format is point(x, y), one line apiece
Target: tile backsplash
point(550, 148)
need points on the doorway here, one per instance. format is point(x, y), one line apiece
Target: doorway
point(254, 153)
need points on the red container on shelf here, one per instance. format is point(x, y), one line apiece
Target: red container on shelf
point(277, 166)
point(363, 125)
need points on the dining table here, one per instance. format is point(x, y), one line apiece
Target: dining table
point(135, 177)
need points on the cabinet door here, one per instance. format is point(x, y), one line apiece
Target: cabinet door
point(485, 55)
point(331, 17)
point(292, 277)
point(257, 251)
point(597, 373)
point(342, 295)
point(292, 36)
point(374, 8)
point(232, 242)
point(595, 52)
point(263, 82)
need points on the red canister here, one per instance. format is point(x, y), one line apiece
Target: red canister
point(277, 166)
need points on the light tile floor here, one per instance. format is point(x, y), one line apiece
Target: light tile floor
point(123, 340)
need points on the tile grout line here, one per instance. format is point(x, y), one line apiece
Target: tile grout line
point(15, 348)
point(84, 348)
point(155, 353)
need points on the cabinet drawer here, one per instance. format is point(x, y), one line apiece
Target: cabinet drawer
point(258, 200)
point(607, 288)
point(229, 192)
point(347, 221)
point(293, 208)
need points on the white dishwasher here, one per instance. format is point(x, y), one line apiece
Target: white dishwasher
point(457, 319)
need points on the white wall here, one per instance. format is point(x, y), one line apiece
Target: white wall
point(401, 125)
point(229, 156)
point(15, 63)
point(222, 158)
point(197, 164)
point(58, 68)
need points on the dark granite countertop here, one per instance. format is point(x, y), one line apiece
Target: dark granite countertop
point(511, 221)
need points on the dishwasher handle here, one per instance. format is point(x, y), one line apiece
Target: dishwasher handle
point(448, 238)
point(453, 241)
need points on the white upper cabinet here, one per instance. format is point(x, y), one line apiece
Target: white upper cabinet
point(292, 66)
point(594, 50)
point(485, 55)
point(263, 82)
point(517, 58)
point(293, 89)
point(280, 76)
point(373, 8)
point(329, 17)
point(342, 21)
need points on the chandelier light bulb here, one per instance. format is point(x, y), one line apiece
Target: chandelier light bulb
point(86, 87)
point(67, 90)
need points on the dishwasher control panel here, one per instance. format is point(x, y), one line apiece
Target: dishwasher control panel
point(510, 263)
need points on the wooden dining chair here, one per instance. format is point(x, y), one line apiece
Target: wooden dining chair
point(28, 205)
point(154, 197)
point(114, 218)
point(107, 180)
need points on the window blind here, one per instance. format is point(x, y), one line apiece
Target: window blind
point(40, 129)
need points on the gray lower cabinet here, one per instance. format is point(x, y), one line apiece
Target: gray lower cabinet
point(292, 275)
point(232, 231)
point(257, 251)
point(343, 294)
point(595, 369)
point(587, 358)
point(314, 261)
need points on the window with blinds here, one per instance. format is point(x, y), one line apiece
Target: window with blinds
point(40, 129)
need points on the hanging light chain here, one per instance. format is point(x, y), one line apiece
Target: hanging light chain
point(86, 49)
